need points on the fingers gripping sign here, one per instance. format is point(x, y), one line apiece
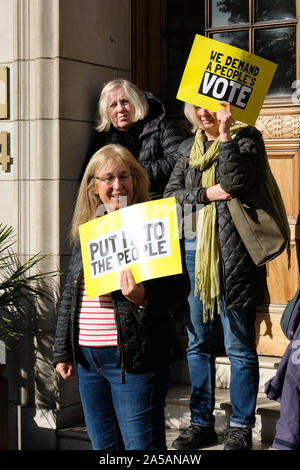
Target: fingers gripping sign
point(135, 293)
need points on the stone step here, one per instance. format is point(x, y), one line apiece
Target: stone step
point(178, 417)
point(177, 407)
point(178, 413)
point(267, 369)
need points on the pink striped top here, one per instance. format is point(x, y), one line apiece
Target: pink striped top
point(96, 320)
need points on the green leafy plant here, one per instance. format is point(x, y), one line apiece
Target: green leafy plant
point(22, 286)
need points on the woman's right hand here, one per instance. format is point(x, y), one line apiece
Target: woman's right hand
point(65, 369)
point(135, 293)
point(216, 193)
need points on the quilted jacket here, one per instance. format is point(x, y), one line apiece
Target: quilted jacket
point(145, 335)
point(153, 141)
point(240, 166)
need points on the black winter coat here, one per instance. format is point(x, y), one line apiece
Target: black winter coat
point(146, 339)
point(153, 141)
point(240, 167)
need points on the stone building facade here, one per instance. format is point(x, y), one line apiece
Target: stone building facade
point(55, 56)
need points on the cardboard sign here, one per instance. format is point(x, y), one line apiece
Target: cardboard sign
point(218, 72)
point(143, 237)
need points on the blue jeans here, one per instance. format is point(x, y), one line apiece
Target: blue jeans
point(239, 340)
point(120, 415)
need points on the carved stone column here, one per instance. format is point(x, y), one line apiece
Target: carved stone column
point(58, 53)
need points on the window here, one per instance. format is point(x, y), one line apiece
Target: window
point(268, 28)
point(264, 27)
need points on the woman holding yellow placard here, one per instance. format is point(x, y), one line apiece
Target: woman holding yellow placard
point(224, 160)
point(120, 344)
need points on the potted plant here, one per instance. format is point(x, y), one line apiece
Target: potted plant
point(22, 285)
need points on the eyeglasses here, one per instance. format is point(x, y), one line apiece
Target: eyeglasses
point(110, 179)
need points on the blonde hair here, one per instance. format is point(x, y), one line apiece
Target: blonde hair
point(87, 201)
point(135, 96)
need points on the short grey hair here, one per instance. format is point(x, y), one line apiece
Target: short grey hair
point(136, 97)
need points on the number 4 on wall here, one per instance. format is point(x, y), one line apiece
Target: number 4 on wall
point(4, 157)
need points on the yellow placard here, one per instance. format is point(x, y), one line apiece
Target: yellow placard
point(217, 72)
point(143, 237)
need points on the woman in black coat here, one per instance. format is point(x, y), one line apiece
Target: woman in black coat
point(137, 120)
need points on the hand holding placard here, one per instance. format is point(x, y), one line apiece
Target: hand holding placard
point(135, 293)
point(224, 116)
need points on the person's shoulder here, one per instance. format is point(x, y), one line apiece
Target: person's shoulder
point(251, 137)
